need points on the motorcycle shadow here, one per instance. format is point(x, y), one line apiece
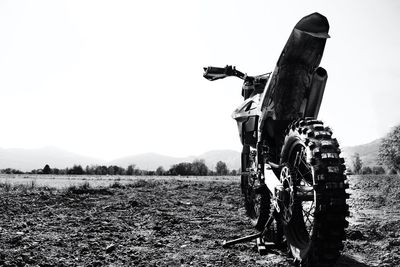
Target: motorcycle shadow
point(347, 261)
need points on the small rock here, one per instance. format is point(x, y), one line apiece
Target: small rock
point(110, 248)
point(101, 257)
point(158, 244)
point(394, 243)
point(157, 227)
point(16, 239)
point(355, 235)
point(195, 238)
point(96, 263)
point(133, 203)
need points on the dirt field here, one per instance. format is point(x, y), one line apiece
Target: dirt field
point(173, 223)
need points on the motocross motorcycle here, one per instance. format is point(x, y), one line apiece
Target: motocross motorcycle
point(292, 177)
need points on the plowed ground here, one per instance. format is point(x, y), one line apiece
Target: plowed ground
point(174, 222)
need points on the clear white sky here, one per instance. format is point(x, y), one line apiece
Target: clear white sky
point(115, 78)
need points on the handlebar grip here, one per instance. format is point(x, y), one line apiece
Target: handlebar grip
point(215, 73)
point(214, 70)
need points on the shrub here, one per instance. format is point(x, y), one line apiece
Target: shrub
point(144, 183)
point(366, 170)
point(378, 170)
point(221, 168)
point(6, 186)
point(46, 169)
point(117, 184)
point(357, 163)
point(389, 150)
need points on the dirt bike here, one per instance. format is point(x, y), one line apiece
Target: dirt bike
point(292, 177)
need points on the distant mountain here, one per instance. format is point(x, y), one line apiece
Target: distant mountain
point(29, 159)
point(230, 157)
point(368, 153)
point(151, 161)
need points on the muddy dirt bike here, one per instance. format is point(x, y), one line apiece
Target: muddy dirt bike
point(292, 177)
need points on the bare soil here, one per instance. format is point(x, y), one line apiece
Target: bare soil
point(174, 222)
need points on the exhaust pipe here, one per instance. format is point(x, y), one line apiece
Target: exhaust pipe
point(317, 89)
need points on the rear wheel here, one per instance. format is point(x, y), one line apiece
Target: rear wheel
point(313, 201)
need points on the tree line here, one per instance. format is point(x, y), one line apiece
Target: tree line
point(388, 156)
point(197, 168)
point(358, 167)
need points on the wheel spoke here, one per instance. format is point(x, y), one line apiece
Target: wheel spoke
point(308, 216)
point(306, 165)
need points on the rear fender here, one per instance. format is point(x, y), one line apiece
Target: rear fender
point(290, 142)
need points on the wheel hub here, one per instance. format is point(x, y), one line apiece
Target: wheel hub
point(286, 195)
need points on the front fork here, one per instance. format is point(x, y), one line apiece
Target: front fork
point(266, 174)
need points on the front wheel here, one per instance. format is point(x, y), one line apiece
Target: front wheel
point(256, 196)
point(313, 205)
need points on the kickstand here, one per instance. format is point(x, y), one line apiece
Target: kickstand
point(261, 245)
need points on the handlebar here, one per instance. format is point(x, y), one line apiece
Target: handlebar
point(215, 73)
